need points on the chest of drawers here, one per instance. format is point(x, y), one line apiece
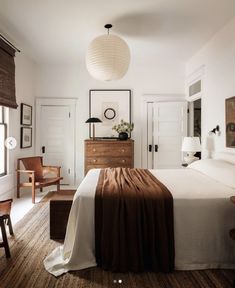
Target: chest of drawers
point(108, 153)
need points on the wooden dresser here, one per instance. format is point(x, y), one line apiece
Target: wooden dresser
point(108, 153)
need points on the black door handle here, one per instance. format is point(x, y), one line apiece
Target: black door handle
point(150, 148)
point(156, 148)
point(43, 149)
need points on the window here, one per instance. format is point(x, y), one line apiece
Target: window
point(194, 84)
point(195, 88)
point(3, 134)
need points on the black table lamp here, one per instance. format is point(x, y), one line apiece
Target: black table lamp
point(93, 120)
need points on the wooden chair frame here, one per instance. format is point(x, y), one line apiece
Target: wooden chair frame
point(37, 183)
point(5, 219)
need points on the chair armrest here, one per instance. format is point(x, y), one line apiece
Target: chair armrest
point(25, 171)
point(53, 169)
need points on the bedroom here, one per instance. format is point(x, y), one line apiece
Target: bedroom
point(168, 43)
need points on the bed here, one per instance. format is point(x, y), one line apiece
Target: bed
point(203, 216)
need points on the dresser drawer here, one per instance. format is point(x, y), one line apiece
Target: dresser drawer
point(109, 150)
point(117, 161)
point(108, 153)
point(99, 166)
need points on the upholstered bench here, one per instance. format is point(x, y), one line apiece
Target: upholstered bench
point(60, 205)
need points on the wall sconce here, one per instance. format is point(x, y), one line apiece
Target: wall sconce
point(216, 130)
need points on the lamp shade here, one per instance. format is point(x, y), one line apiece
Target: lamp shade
point(191, 144)
point(108, 58)
point(93, 120)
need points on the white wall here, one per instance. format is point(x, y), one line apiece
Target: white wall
point(73, 81)
point(24, 77)
point(219, 60)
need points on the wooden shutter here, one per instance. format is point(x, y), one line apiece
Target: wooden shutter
point(7, 76)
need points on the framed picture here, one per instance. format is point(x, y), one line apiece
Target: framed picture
point(110, 106)
point(26, 115)
point(25, 137)
point(230, 122)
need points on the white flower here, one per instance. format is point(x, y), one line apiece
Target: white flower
point(123, 127)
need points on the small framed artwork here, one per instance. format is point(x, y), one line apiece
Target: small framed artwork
point(26, 115)
point(25, 137)
point(230, 122)
point(110, 106)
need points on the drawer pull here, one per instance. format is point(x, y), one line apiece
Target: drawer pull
point(93, 149)
point(123, 150)
point(94, 160)
point(123, 160)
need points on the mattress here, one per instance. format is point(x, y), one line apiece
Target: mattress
point(203, 216)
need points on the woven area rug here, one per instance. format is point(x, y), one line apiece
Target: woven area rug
point(31, 244)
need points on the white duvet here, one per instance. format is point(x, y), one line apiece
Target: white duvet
point(203, 216)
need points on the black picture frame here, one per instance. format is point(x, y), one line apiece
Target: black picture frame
point(26, 114)
point(115, 97)
point(25, 137)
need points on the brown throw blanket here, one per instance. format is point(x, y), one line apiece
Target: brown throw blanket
point(133, 222)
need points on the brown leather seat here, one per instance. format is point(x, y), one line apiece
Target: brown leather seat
point(5, 209)
point(36, 171)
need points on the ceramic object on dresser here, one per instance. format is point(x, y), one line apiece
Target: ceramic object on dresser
point(123, 136)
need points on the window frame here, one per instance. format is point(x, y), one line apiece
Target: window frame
point(4, 124)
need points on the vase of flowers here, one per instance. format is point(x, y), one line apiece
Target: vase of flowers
point(123, 129)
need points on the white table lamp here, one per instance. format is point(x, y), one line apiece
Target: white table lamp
point(191, 145)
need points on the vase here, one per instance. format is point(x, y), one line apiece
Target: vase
point(123, 136)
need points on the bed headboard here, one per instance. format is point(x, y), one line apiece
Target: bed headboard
point(226, 156)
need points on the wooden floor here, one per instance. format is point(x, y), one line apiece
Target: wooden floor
point(31, 245)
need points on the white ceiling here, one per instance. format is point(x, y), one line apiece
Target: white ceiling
point(61, 30)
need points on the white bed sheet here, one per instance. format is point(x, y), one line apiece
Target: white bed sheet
point(203, 216)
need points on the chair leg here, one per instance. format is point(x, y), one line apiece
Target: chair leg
point(4, 239)
point(18, 191)
point(41, 189)
point(18, 179)
point(10, 225)
point(33, 194)
point(58, 186)
point(33, 188)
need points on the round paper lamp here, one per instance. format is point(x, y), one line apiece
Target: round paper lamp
point(108, 57)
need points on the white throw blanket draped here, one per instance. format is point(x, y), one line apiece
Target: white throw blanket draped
point(203, 216)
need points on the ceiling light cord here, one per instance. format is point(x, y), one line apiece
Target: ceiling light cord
point(108, 26)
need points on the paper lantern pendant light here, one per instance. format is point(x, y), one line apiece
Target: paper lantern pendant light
point(108, 57)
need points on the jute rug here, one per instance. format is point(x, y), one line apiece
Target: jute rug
point(31, 244)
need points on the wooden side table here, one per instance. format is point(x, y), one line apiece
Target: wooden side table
point(60, 205)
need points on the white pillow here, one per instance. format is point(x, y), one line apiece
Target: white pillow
point(225, 156)
point(221, 171)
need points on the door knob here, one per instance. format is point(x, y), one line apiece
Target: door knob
point(156, 148)
point(150, 148)
point(43, 149)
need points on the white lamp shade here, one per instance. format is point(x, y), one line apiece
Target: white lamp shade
point(191, 144)
point(108, 58)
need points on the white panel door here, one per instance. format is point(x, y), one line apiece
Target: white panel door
point(169, 127)
point(56, 139)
